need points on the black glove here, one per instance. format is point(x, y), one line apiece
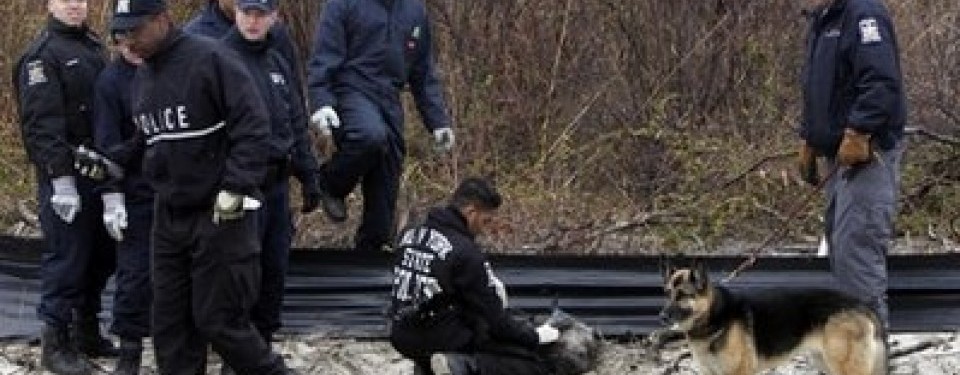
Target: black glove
point(94, 165)
point(310, 190)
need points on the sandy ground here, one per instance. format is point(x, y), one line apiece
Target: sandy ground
point(928, 354)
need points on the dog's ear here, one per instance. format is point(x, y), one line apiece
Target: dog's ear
point(701, 277)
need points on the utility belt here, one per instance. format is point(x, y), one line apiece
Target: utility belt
point(421, 315)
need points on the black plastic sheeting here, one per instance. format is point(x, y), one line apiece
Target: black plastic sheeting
point(343, 294)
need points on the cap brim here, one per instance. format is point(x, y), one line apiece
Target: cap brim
point(126, 23)
point(263, 7)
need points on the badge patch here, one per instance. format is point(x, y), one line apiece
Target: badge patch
point(416, 33)
point(123, 6)
point(278, 79)
point(73, 61)
point(35, 74)
point(869, 31)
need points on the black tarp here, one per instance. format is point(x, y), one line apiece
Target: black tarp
point(342, 293)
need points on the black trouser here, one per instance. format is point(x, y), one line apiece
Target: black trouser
point(276, 233)
point(77, 258)
point(131, 305)
point(206, 279)
point(370, 152)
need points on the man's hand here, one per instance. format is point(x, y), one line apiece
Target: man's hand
point(231, 206)
point(807, 165)
point(95, 166)
point(854, 149)
point(65, 201)
point(443, 139)
point(547, 334)
point(325, 119)
point(114, 215)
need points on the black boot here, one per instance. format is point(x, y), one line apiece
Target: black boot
point(334, 207)
point(90, 341)
point(130, 353)
point(58, 355)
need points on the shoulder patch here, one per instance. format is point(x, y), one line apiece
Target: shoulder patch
point(870, 31)
point(35, 73)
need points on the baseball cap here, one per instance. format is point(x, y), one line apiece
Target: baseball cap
point(264, 5)
point(128, 14)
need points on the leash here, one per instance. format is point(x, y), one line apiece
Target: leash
point(782, 231)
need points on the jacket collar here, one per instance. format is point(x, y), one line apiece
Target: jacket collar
point(235, 38)
point(450, 217)
point(57, 27)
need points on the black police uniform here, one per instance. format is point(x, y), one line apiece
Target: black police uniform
point(290, 153)
point(112, 127)
point(205, 129)
point(364, 54)
point(443, 301)
point(54, 82)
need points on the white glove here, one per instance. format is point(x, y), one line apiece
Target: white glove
point(443, 139)
point(547, 334)
point(325, 119)
point(501, 289)
point(65, 200)
point(114, 215)
point(231, 206)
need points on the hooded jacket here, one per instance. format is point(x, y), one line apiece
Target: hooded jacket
point(440, 266)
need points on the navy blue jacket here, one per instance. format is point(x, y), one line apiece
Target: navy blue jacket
point(203, 124)
point(852, 76)
point(113, 127)
point(274, 76)
point(53, 84)
point(211, 22)
point(376, 47)
point(444, 251)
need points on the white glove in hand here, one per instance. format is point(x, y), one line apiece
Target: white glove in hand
point(500, 289)
point(547, 334)
point(65, 201)
point(114, 215)
point(325, 119)
point(231, 206)
point(443, 139)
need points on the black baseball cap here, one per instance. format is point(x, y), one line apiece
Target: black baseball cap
point(129, 14)
point(264, 5)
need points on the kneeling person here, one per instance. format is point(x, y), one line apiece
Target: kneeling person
point(446, 313)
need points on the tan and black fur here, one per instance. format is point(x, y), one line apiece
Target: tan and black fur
point(747, 332)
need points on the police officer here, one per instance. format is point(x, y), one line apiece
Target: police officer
point(365, 52)
point(204, 131)
point(128, 211)
point(290, 150)
point(853, 114)
point(217, 18)
point(54, 83)
point(447, 314)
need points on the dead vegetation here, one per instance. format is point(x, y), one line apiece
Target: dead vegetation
point(623, 126)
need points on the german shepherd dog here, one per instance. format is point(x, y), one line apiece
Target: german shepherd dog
point(745, 333)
